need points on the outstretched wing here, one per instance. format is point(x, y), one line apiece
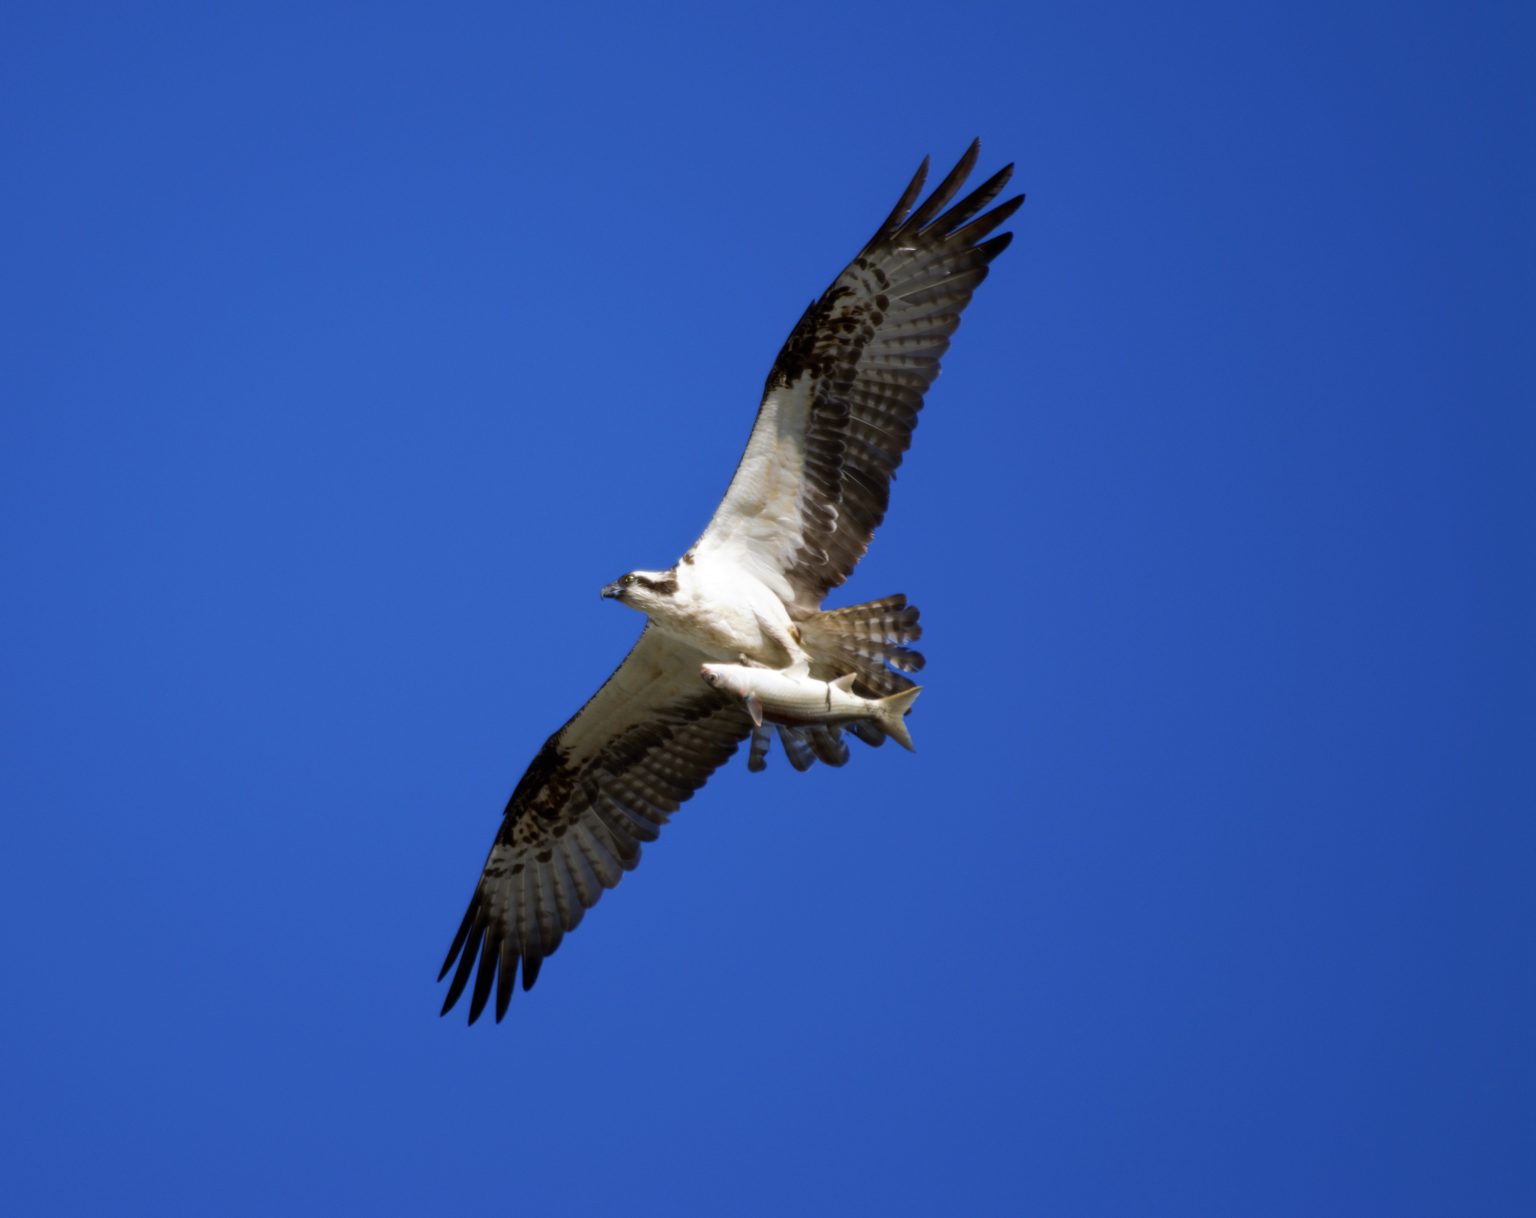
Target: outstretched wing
point(842, 399)
point(601, 785)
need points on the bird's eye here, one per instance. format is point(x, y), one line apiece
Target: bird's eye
point(627, 581)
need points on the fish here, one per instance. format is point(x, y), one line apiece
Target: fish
point(784, 697)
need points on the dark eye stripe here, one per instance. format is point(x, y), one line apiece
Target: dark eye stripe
point(663, 587)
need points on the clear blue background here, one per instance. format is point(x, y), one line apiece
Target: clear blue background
point(348, 352)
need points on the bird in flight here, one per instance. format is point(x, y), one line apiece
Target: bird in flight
point(836, 416)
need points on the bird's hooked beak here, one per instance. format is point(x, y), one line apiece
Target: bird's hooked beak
point(613, 592)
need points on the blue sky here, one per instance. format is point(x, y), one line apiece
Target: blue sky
point(349, 350)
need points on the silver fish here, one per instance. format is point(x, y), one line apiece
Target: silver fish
point(785, 698)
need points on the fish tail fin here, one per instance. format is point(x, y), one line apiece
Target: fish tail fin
point(892, 716)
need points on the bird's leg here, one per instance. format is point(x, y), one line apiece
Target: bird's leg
point(787, 636)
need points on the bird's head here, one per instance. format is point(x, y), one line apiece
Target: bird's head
point(643, 590)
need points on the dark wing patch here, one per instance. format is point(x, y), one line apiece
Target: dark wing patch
point(574, 825)
point(844, 394)
point(871, 347)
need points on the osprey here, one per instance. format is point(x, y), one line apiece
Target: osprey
point(836, 416)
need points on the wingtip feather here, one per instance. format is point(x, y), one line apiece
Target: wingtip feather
point(459, 937)
point(532, 963)
point(466, 965)
point(903, 205)
point(505, 980)
point(483, 979)
point(945, 190)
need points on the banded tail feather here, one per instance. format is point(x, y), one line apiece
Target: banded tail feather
point(868, 639)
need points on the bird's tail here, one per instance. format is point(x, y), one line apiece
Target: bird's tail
point(870, 640)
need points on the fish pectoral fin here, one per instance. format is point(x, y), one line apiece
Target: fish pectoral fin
point(755, 709)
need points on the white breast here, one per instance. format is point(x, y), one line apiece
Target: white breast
point(727, 612)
